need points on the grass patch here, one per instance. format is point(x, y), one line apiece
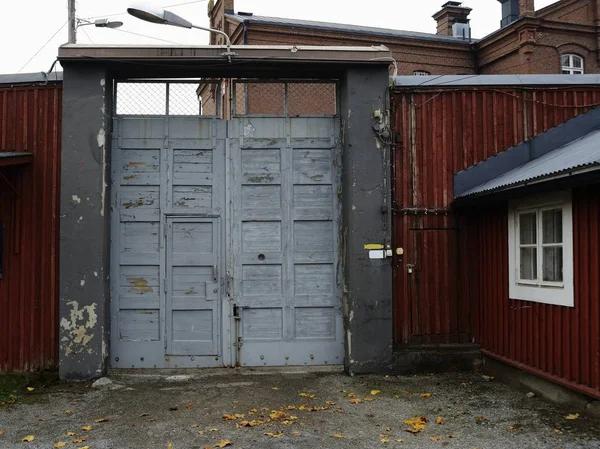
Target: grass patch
point(11, 385)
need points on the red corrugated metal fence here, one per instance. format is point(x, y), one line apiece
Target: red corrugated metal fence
point(30, 120)
point(451, 284)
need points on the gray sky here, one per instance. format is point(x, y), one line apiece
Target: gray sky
point(28, 24)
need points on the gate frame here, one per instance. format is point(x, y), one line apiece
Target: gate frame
point(89, 73)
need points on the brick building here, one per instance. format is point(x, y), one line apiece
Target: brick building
point(561, 38)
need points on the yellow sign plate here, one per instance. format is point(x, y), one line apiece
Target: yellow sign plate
point(373, 246)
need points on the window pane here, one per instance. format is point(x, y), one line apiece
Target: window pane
point(577, 62)
point(553, 264)
point(527, 225)
point(552, 226)
point(565, 61)
point(529, 263)
point(566, 72)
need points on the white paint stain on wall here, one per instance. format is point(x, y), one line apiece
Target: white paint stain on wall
point(76, 199)
point(77, 327)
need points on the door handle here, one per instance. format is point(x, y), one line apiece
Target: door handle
point(215, 274)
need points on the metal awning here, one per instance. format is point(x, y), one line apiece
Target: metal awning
point(576, 157)
point(8, 158)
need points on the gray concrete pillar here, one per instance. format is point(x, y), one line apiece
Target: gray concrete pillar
point(84, 224)
point(366, 195)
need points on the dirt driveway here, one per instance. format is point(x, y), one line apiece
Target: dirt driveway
point(292, 409)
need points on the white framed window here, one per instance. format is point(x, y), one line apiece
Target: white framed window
point(421, 73)
point(540, 249)
point(572, 64)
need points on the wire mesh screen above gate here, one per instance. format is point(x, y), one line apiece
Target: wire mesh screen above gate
point(167, 98)
point(290, 98)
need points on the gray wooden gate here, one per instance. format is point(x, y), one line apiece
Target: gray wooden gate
point(225, 242)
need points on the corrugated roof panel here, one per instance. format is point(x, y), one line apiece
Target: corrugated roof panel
point(495, 80)
point(576, 155)
point(346, 28)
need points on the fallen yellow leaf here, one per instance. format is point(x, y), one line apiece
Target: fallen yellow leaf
point(375, 392)
point(426, 395)
point(572, 416)
point(355, 401)
point(352, 395)
point(253, 423)
point(70, 434)
point(201, 432)
point(144, 415)
point(512, 427)
point(232, 417)
point(188, 406)
point(384, 440)
point(435, 438)
point(440, 420)
point(68, 411)
point(99, 420)
point(84, 447)
point(1, 432)
point(170, 446)
point(556, 431)
point(399, 440)
point(274, 434)
point(338, 435)
point(30, 389)
point(28, 439)
point(417, 424)
point(195, 425)
point(60, 444)
point(214, 429)
point(79, 440)
point(307, 395)
point(224, 443)
point(296, 434)
point(275, 388)
point(368, 399)
point(329, 402)
point(208, 447)
point(86, 428)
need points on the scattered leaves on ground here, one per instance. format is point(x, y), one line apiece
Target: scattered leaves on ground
point(79, 440)
point(338, 435)
point(417, 424)
point(86, 428)
point(352, 395)
point(329, 402)
point(60, 444)
point(224, 443)
point(232, 417)
point(307, 395)
point(274, 434)
point(275, 388)
point(435, 438)
point(426, 395)
point(368, 399)
point(30, 389)
point(99, 420)
point(440, 420)
point(70, 434)
point(253, 423)
point(375, 392)
point(572, 416)
point(384, 440)
point(28, 439)
point(68, 411)
point(355, 401)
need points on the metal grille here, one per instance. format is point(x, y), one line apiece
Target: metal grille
point(159, 98)
point(291, 98)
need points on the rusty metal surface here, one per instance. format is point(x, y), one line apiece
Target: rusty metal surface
point(440, 131)
point(30, 121)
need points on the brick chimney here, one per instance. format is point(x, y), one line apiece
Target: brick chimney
point(512, 10)
point(216, 13)
point(453, 13)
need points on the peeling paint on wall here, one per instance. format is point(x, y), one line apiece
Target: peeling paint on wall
point(76, 328)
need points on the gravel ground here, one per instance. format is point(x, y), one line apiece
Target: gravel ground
point(149, 412)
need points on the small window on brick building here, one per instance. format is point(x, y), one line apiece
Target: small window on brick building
point(421, 73)
point(572, 65)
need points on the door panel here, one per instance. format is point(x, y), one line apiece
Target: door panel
point(193, 286)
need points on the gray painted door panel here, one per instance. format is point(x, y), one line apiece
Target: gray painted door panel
point(208, 213)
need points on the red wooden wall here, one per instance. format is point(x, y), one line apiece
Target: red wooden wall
point(458, 288)
point(30, 120)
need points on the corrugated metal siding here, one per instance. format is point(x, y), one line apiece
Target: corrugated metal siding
point(561, 342)
point(30, 120)
point(440, 131)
